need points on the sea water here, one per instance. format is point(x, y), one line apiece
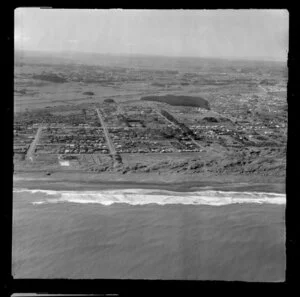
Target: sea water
point(149, 234)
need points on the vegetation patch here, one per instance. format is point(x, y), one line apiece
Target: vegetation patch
point(178, 100)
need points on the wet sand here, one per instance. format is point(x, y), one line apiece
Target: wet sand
point(174, 182)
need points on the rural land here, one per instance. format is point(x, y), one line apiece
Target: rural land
point(101, 118)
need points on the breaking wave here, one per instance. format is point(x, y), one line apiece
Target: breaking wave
point(150, 196)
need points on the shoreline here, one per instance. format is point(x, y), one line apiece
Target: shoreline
point(92, 182)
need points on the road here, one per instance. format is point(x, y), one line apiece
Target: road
point(108, 140)
point(193, 140)
point(119, 110)
point(265, 90)
point(30, 152)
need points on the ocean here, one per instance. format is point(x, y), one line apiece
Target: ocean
point(203, 234)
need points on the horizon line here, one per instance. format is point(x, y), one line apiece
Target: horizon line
point(254, 59)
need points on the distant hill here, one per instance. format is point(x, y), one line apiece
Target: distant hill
point(178, 100)
point(173, 64)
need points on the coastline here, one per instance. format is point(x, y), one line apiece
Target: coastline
point(173, 182)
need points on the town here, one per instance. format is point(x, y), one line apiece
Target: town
point(112, 118)
point(115, 130)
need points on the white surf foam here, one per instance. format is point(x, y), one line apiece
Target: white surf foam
point(34, 191)
point(155, 196)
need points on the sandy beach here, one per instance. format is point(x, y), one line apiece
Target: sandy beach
point(175, 182)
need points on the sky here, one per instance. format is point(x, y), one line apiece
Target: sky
point(254, 34)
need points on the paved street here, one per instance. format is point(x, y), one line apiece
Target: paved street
point(108, 140)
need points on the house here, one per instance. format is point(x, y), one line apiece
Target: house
point(64, 163)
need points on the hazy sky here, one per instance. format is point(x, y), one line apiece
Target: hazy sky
point(199, 33)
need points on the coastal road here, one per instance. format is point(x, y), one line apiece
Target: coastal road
point(30, 152)
point(109, 142)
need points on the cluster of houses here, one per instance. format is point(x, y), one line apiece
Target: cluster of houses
point(255, 134)
point(127, 140)
point(23, 136)
point(73, 141)
point(133, 129)
point(131, 116)
point(60, 116)
point(73, 148)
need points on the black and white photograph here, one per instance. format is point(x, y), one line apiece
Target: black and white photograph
point(150, 144)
